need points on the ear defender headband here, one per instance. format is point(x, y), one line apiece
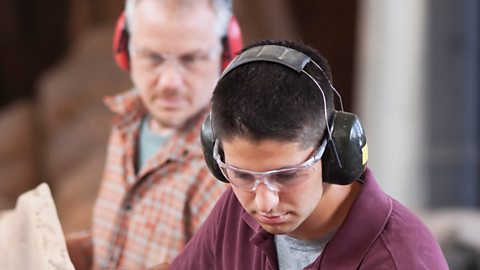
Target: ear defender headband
point(346, 154)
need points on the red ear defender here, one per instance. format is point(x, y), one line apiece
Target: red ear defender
point(233, 43)
point(120, 44)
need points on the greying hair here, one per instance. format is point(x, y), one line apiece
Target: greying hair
point(222, 9)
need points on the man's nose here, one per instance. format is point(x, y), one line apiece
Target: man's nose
point(265, 198)
point(170, 76)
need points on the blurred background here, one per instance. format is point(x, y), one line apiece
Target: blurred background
point(410, 69)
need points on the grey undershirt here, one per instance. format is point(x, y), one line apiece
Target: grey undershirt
point(148, 144)
point(293, 254)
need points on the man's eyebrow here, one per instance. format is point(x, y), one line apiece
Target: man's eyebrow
point(197, 51)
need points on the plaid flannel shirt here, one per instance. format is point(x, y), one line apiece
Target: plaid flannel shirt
point(145, 218)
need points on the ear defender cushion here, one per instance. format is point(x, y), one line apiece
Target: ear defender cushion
point(346, 154)
point(207, 140)
point(120, 44)
point(232, 43)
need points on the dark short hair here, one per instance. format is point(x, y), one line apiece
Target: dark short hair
point(264, 100)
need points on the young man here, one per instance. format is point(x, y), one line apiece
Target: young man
point(300, 197)
point(156, 190)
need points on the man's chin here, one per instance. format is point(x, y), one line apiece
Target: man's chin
point(277, 230)
point(276, 227)
point(167, 124)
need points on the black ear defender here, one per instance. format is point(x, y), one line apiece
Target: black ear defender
point(346, 153)
point(207, 139)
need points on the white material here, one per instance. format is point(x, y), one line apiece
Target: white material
point(31, 235)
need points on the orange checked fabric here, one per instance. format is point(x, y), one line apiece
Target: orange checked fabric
point(146, 218)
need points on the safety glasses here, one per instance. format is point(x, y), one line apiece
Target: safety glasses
point(276, 180)
point(191, 62)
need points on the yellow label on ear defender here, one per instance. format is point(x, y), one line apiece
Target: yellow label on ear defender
point(364, 154)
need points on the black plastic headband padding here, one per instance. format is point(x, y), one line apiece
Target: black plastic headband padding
point(270, 53)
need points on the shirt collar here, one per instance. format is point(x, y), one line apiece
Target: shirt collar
point(124, 103)
point(262, 239)
point(362, 226)
point(128, 108)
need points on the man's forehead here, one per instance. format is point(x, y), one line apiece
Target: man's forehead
point(179, 7)
point(198, 17)
point(242, 142)
point(264, 155)
point(169, 33)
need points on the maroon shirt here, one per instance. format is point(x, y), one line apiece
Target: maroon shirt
point(377, 233)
